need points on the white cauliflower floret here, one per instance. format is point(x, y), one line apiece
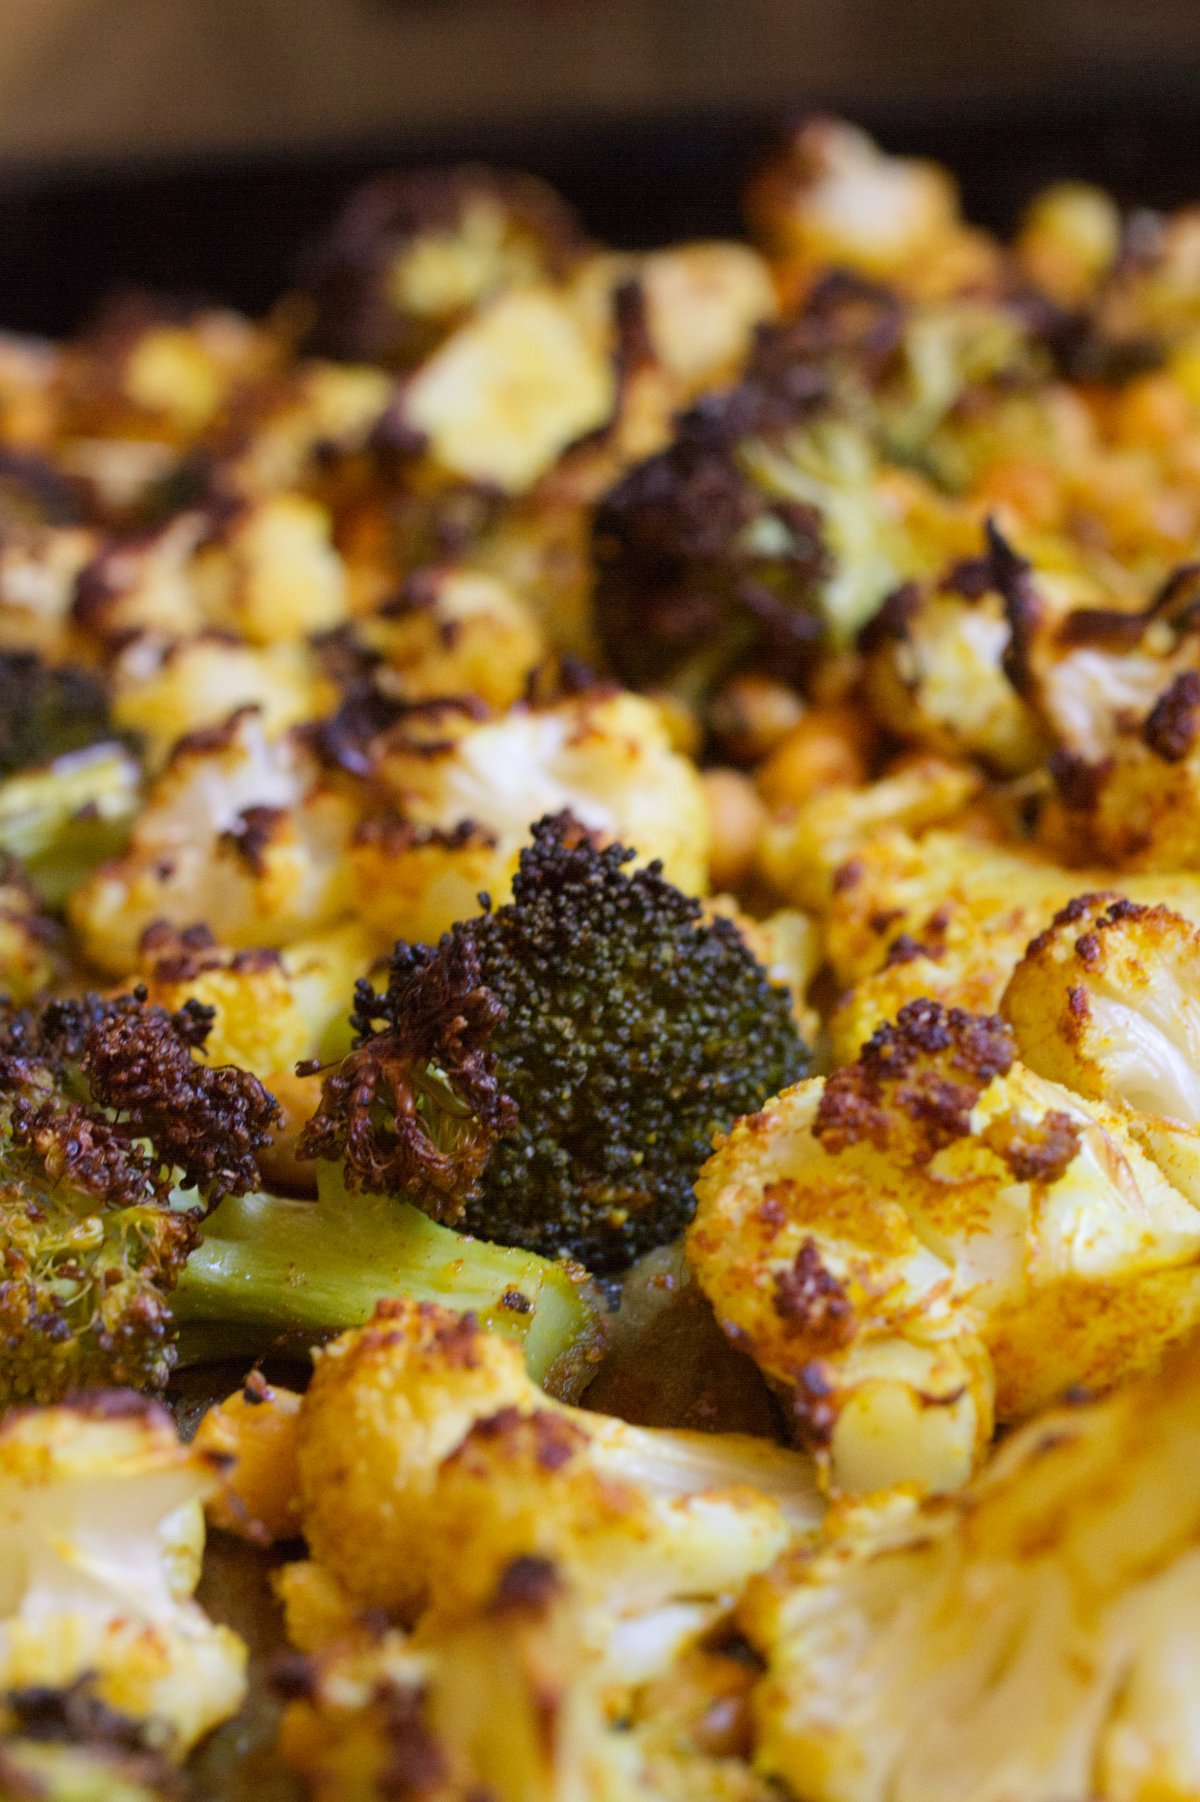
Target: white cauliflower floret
point(272, 1010)
point(1107, 1000)
point(1032, 1638)
point(508, 1701)
point(934, 675)
point(280, 433)
point(932, 1234)
point(832, 196)
point(103, 1531)
point(428, 1461)
point(468, 801)
point(238, 833)
point(143, 584)
point(913, 908)
point(805, 849)
point(1137, 807)
point(39, 567)
point(505, 394)
point(271, 572)
point(164, 688)
point(457, 632)
point(702, 304)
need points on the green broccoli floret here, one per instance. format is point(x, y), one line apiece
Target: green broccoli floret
point(130, 1238)
point(274, 1274)
point(757, 536)
point(114, 1139)
point(552, 1073)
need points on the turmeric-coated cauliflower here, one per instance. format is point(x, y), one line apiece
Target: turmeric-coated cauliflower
point(239, 833)
point(100, 1514)
point(934, 1235)
point(468, 791)
point(1031, 1638)
point(428, 1462)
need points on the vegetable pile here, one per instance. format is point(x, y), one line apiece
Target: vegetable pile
point(600, 906)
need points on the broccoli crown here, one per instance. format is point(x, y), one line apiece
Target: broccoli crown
point(698, 571)
point(46, 711)
point(701, 567)
point(551, 1074)
point(104, 1114)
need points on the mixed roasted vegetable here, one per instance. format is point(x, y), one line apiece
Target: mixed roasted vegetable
point(600, 909)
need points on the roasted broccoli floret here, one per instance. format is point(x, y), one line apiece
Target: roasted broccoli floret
point(67, 787)
point(114, 1138)
point(551, 1074)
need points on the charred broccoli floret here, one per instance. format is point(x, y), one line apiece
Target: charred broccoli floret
point(551, 1074)
point(114, 1139)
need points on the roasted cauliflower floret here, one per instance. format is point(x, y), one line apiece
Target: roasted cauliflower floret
point(1031, 1637)
point(831, 196)
point(287, 429)
point(1107, 1000)
point(456, 632)
point(469, 799)
point(39, 567)
point(101, 1508)
point(428, 1461)
point(271, 1010)
point(816, 851)
point(162, 689)
point(239, 833)
point(271, 572)
point(502, 398)
point(934, 673)
point(509, 1697)
point(932, 1234)
point(410, 257)
point(1138, 806)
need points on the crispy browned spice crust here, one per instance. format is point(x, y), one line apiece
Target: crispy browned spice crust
point(810, 1298)
point(930, 1066)
point(370, 1110)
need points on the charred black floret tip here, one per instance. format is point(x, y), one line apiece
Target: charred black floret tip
point(109, 1128)
point(47, 711)
point(552, 1073)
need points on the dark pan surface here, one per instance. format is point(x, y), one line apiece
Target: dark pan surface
point(233, 231)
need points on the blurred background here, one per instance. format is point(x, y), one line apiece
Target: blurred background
point(137, 137)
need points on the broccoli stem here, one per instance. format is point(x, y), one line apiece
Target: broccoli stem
point(272, 1273)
